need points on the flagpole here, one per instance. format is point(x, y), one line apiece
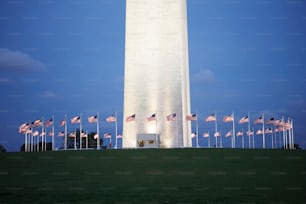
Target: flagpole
point(116, 130)
point(31, 142)
point(98, 132)
point(156, 138)
point(176, 124)
point(25, 141)
point(80, 132)
point(65, 132)
point(208, 140)
point(53, 139)
point(249, 132)
point(86, 140)
point(220, 140)
point(291, 129)
point(43, 130)
point(216, 129)
point(242, 139)
point(234, 134)
point(75, 146)
point(272, 135)
point(263, 132)
point(197, 131)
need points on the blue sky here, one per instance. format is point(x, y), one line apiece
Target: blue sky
point(67, 57)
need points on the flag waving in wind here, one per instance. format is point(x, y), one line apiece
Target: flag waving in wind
point(211, 118)
point(191, 117)
point(152, 117)
point(171, 117)
point(93, 119)
point(131, 118)
point(244, 119)
point(76, 119)
point(49, 122)
point(228, 118)
point(259, 120)
point(111, 119)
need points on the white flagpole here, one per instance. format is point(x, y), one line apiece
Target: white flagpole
point(208, 140)
point(234, 133)
point(116, 130)
point(249, 135)
point(156, 138)
point(242, 139)
point(216, 129)
point(98, 132)
point(291, 129)
point(65, 132)
point(86, 140)
point(53, 138)
point(197, 131)
point(43, 130)
point(31, 142)
point(263, 132)
point(25, 142)
point(272, 141)
point(75, 146)
point(176, 126)
point(220, 139)
point(80, 132)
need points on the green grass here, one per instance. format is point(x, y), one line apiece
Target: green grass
point(154, 176)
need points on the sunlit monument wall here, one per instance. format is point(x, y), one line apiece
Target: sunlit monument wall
point(156, 78)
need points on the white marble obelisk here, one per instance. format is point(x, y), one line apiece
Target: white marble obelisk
point(156, 78)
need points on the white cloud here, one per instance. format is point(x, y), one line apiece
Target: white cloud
point(48, 94)
point(18, 61)
point(205, 76)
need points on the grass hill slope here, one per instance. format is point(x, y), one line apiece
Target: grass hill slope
point(154, 176)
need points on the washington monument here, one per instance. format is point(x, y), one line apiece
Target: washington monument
point(156, 78)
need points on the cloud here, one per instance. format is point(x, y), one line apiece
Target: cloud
point(48, 94)
point(19, 61)
point(205, 76)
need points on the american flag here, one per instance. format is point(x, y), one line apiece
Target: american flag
point(250, 132)
point(217, 134)
point(244, 119)
point(259, 132)
point(171, 117)
point(107, 135)
point(229, 133)
point(72, 134)
point(63, 122)
point(37, 123)
point(76, 119)
point(239, 133)
point(119, 136)
point(96, 136)
point(49, 122)
point(211, 118)
point(270, 121)
point(93, 119)
point(35, 133)
point(152, 117)
point(268, 131)
point(111, 119)
point(43, 133)
point(61, 134)
point(193, 135)
point(259, 120)
point(51, 134)
point(191, 117)
point(131, 118)
point(206, 134)
point(228, 118)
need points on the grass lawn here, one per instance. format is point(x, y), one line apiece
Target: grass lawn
point(154, 176)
